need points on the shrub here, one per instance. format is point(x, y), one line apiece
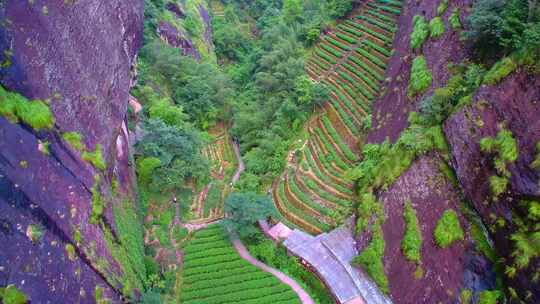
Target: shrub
point(489, 297)
point(421, 78)
point(498, 184)
point(145, 167)
point(74, 139)
point(454, 21)
point(504, 145)
point(500, 70)
point(412, 240)
point(448, 229)
point(465, 296)
point(34, 113)
point(443, 5)
point(419, 33)
point(367, 208)
point(526, 247)
point(11, 295)
point(98, 204)
point(536, 162)
point(371, 259)
point(95, 158)
point(436, 27)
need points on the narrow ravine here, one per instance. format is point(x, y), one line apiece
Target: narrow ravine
point(244, 253)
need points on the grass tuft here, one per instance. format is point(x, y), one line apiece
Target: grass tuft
point(419, 33)
point(95, 158)
point(448, 229)
point(421, 78)
point(412, 240)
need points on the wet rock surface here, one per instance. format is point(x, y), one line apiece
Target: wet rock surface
point(514, 104)
point(77, 56)
point(391, 111)
point(430, 194)
point(177, 39)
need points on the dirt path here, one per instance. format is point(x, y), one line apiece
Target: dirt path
point(176, 223)
point(241, 165)
point(244, 254)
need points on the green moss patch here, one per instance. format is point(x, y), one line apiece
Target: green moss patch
point(11, 295)
point(371, 259)
point(35, 113)
point(436, 27)
point(454, 21)
point(419, 33)
point(500, 70)
point(421, 78)
point(448, 229)
point(74, 139)
point(505, 150)
point(443, 5)
point(95, 158)
point(412, 240)
point(489, 297)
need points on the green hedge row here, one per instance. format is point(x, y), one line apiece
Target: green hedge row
point(350, 30)
point(346, 38)
point(335, 157)
point(326, 160)
point(331, 50)
point(366, 68)
point(391, 2)
point(306, 199)
point(232, 290)
point(378, 62)
point(378, 48)
point(216, 251)
point(278, 292)
point(344, 116)
point(373, 33)
point(337, 43)
point(233, 278)
point(239, 271)
point(381, 16)
point(374, 86)
point(300, 213)
point(210, 260)
point(325, 195)
point(337, 139)
point(386, 8)
point(346, 101)
point(325, 56)
point(324, 177)
point(377, 23)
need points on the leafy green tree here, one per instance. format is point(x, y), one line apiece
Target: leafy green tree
point(178, 151)
point(292, 10)
point(243, 210)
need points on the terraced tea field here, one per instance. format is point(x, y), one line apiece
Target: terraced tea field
point(207, 204)
point(351, 61)
point(214, 273)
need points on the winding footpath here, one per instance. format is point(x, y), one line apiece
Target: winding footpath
point(241, 165)
point(244, 253)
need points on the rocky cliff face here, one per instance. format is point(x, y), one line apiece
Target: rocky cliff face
point(186, 26)
point(513, 104)
point(78, 57)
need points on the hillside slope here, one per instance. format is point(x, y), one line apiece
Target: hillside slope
point(350, 60)
point(510, 105)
